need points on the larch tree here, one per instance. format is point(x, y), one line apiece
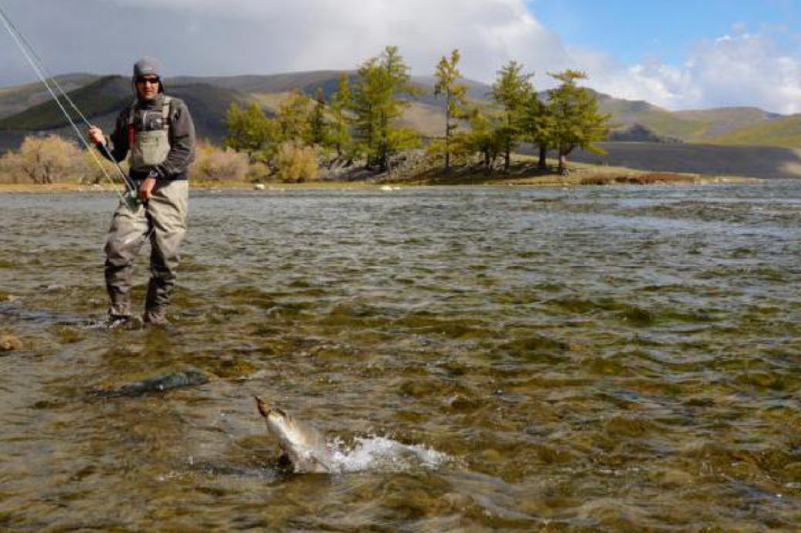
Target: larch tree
point(318, 125)
point(455, 93)
point(378, 106)
point(511, 91)
point(248, 130)
point(576, 119)
point(339, 135)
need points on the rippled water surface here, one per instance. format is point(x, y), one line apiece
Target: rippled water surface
point(597, 359)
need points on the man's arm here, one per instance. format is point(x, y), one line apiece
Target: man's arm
point(116, 147)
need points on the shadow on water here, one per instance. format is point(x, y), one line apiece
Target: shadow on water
point(622, 359)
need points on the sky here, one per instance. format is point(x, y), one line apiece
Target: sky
point(678, 54)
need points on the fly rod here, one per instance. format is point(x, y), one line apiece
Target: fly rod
point(47, 79)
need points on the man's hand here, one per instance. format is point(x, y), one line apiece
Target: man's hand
point(96, 135)
point(146, 189)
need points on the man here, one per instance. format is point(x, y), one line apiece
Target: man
point(157, 135)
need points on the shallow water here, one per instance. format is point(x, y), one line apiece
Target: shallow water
point(595, 359)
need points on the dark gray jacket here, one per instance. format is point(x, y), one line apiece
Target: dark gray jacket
point(181, 135)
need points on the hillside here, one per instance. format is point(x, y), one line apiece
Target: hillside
point(17, 99)
point(102, 99)
point(99, 97)
point(783, 131)
point(210, 97)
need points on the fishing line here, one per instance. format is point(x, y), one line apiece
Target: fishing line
point(38, 66)
point(64, 94)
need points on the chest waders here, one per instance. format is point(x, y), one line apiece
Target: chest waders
point(160, 221)
point(151, 145)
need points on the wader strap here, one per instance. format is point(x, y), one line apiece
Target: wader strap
point(165, 113)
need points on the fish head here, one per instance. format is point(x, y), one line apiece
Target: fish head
point(304, 446)
point(279, 422)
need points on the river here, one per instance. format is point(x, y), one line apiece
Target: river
point(582, 360)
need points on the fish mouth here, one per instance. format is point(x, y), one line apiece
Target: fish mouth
point(264, 407)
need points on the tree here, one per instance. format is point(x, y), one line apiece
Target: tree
point(378, 106)
point(294, 118)
point(512, 90)
point(485, 137)
point(447, 84)
point(318, 126)
point(248, 130)
point(339, 131)
point(538, 124)
point(576, 120)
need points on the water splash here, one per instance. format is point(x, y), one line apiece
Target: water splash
point(382, 454)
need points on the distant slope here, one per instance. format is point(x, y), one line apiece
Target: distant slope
point(17, 99)
point(98, 98)
point(784, 131)
point(103, 99)
point(767, 162)
point(307, 82)
point(26, 108)
point(705, 126)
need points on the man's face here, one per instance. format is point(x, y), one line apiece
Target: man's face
point(147, 86)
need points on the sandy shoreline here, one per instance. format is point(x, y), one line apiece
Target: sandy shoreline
point(574, 180)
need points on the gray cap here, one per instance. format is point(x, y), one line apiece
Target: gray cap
point(147, 65)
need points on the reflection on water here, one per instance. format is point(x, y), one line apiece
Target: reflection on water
point(602, 359)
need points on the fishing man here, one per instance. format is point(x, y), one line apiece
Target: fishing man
point(157, 135)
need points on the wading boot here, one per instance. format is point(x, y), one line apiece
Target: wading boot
point(156, 317)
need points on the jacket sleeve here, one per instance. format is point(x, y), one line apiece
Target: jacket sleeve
point(116, 148)
point(182, 144)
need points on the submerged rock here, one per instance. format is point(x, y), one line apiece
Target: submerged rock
point(10, 343)
point(161, 383)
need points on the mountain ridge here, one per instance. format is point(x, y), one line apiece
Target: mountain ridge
point(26, 108)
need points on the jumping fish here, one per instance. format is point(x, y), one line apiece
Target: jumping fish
point(175, 380)
point(304, 446)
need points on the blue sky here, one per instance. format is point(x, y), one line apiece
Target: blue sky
point(638, 30)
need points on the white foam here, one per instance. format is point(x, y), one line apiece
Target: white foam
point(384, 455)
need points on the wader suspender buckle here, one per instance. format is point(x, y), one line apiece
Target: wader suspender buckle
point(165, 113)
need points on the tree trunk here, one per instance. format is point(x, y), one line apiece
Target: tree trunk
point(543, 163)
point(562, 163)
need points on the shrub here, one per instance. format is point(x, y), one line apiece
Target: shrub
point(214, 164)
point(296, 163)
point(44, 160)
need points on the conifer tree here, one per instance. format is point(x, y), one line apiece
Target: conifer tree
point(248, 130)
point(447, 84)
point(339, 133)
point(294, 118)
point(576, 119)
point(318, 127)
point(378, 106)
point(486, 137)
point(511, 91)
point(538, 127)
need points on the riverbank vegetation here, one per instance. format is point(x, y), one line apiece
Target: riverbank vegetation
point(359, 128)
point(356, 133)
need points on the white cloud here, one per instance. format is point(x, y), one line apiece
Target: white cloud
point(324, 34)
point(741, 69)
point(215, 37)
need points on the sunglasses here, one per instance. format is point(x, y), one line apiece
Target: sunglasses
point(147, 80)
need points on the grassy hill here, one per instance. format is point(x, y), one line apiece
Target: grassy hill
point(102, 100)
point(97, 98)
point(17, 99)
point(784, 131)
point(25, 108)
